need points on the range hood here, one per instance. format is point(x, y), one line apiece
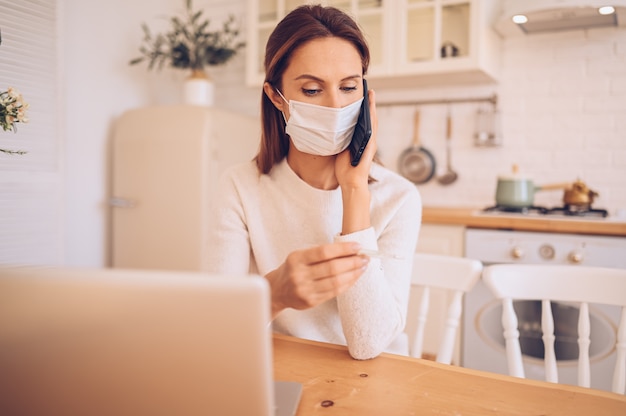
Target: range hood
point(558, 15)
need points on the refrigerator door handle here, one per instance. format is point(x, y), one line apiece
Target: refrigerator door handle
point(122, 202)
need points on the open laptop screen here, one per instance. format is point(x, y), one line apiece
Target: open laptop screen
point(122, 342)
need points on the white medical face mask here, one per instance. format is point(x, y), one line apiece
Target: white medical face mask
point(319, 130)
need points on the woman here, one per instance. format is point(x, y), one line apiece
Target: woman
point(300, 214)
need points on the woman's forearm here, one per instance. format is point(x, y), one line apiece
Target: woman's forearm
point(356, 209)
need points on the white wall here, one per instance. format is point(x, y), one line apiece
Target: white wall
point(563, 103)
point(563, 100)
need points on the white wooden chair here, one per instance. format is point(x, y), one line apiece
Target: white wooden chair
point(563, 283)
point(455, 274)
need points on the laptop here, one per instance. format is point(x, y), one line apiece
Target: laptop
point(77, 341)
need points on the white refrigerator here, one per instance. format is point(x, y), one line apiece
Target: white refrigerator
point(166, 161)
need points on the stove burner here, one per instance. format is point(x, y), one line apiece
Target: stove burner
point(518, 210)
point(567, 209)
point(581, 211)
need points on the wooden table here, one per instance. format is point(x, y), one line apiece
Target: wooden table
point(391, 385)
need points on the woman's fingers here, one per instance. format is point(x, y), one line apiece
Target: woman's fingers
point(372, 146)
point(313, 292)
point(315, 275)
point(326, 252)
point(338, 266)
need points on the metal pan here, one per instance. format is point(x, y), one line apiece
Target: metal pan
point(416, 163)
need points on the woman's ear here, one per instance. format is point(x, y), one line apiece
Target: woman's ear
point(274, 97)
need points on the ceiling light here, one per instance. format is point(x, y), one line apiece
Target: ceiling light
point(519, 19)
point(606, 10)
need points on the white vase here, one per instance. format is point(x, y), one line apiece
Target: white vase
point(198, 89)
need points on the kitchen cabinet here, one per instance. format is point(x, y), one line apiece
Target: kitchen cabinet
point(444, 41)
point(442, 239)
point(165, 165)
point(412, 42)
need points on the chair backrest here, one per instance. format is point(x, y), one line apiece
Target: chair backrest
point(454, 274)
point(561, 283)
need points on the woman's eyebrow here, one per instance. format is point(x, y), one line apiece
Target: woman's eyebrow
point(314, 78)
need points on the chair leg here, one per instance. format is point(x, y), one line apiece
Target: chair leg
point(619, 376)
point(547, 327)
point(511, 336)
point(418, 340)
point(584, 331)
point(444, 355)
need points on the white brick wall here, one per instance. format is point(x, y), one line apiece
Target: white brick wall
point(563, 102)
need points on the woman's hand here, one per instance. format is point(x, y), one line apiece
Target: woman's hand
point(350, 176)
point(312, 276)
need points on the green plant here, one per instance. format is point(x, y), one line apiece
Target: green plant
point(189, 44)
point(12, 111)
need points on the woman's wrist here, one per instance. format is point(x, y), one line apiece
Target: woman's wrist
point(356, 209)
point(276, 305)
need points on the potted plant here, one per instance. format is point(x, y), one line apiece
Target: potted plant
point(190, 45)
point(12, 111)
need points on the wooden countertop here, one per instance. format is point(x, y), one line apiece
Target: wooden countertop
point(474, 218)
point(335, 384)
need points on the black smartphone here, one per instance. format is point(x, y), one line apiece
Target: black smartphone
point(363, 129)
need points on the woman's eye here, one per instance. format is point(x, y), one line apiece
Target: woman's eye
point(348, 89)
point(310, 92)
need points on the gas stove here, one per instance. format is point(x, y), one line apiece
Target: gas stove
point(565, 210)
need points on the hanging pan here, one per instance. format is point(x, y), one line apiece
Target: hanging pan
point(416, 163)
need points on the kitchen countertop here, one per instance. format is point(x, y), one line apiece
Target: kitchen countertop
point(474, 218)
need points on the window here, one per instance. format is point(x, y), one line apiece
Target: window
point(31, 184)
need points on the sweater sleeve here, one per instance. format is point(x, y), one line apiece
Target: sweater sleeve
point(373, 312)
point(229, 242)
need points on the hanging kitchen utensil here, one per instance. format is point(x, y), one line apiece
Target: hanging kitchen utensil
point(450, 175)
point(416, 163)
point(488, 126)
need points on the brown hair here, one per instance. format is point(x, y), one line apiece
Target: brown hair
point(302, 25)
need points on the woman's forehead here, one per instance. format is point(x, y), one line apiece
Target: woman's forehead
point(325, 58)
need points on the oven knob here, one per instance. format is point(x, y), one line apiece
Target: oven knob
point(546, 252)
point(575, 257)
point(517, 253)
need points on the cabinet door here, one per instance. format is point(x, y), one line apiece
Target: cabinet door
point(435, 35)
point(442, 239)
point(445, 41)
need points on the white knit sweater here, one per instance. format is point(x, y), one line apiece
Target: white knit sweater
point(262, 218)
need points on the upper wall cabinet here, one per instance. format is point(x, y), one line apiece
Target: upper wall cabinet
point(412, 42)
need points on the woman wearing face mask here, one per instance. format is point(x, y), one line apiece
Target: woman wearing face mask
point(301, 215)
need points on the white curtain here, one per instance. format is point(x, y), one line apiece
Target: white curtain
point(31, 184)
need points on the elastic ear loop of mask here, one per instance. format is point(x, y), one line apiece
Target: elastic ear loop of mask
point(284, 99)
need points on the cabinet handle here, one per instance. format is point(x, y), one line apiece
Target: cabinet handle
point(121, 203)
